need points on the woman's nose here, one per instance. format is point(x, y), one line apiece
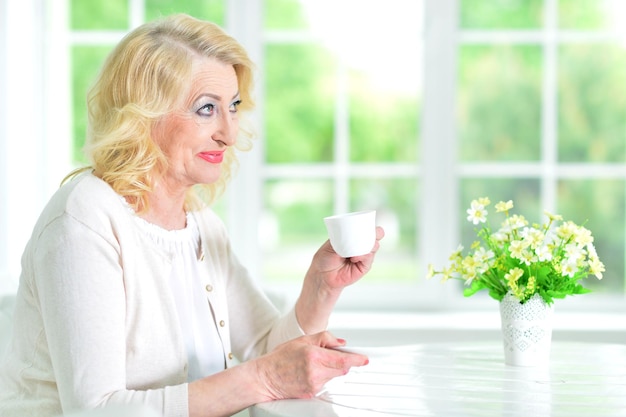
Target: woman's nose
point(227, 129)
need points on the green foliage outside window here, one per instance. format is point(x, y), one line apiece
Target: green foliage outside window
point(501, 14)
point(384, 124)
point(592, 103)
point(98, 15)
point(284, 14)
point(299, 110)
point(212, 10)
point(499, 103)
point(499, 110)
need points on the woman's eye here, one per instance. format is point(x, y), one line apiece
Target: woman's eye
point(234, 106)
point(206, 110)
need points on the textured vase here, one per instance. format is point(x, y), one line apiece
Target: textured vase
point(526, 330)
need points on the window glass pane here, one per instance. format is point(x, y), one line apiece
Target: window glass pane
point(86, 63)
point(383, 121)
point(599, 206)
point(499, 103)
point(285, 14)
point(292, 227)
point(591, 14)
point(212, 10)
point(592, 103)
point(395, 202)
point(523, 191)
point(497, 14)
point(92, 15)
point(299, 107)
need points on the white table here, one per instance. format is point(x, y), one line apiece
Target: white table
point(470, 379)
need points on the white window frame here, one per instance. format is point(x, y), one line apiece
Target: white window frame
point(35, 143)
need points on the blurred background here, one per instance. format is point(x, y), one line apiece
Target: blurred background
point(409, 107)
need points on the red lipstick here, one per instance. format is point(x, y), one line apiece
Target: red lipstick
point(214, 157)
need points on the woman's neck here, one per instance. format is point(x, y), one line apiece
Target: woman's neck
point(166, 210)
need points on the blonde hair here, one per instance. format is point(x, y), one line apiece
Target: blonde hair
point(140, 82)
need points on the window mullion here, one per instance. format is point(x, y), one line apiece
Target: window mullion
point(244, 194)
point(136, 13)
point(438, 211)
point(341, 142)
point(549, 133)
point(23, 142)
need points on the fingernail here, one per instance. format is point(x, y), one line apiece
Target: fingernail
point(342, 341)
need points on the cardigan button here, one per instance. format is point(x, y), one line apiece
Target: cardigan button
point(209, 288)
point(230, 356)
point(222, 323)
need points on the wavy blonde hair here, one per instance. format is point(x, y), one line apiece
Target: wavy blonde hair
point(140, 82)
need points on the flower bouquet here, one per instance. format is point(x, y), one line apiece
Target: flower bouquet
point(523, 259)
point(525, 267)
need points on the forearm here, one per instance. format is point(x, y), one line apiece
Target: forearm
point(315, 304)
point(227, 392)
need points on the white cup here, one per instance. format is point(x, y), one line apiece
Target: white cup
point(352, 234)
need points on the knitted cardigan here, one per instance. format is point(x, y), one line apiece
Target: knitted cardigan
point(95, 322)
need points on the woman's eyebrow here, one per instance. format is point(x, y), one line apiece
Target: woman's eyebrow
point(214, 96)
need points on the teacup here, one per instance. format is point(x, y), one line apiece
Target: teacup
point(352, 234)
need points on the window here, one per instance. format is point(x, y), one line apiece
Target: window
point(341, 133)
point(542, 117)
point(417, 108)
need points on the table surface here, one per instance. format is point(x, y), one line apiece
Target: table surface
point(470, 379)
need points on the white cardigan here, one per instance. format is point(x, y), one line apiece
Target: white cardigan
point(95, 320)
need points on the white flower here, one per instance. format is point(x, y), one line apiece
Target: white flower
point(574, 252)
point(596, 267)
point(477, 213)
point(528, 257)
point(568, 268)
point(544, 254)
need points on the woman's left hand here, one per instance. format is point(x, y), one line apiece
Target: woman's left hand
point(327, 276)
point(334, 272)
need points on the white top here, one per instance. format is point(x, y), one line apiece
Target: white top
point(202, 341)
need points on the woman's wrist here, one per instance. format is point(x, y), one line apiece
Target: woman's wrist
point(315, 304)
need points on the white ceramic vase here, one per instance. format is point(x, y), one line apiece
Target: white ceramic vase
point(526, 330)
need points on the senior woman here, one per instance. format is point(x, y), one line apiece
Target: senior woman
point(130, 292)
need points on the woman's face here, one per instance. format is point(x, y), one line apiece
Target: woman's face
point(195, 138)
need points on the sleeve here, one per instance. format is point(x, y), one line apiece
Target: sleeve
point(79, 280)
point(257, 326)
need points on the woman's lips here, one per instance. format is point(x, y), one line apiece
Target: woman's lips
point(212, 157)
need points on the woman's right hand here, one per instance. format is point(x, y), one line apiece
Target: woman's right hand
point(300, 368)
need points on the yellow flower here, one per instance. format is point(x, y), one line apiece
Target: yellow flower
point(553, 217)
point(513, 275)
point(566, 231)
point(504, 207)
point(431, 271)
point(516, 248)
point(583, 236)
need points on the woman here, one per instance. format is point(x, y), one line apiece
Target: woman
point(112, 305)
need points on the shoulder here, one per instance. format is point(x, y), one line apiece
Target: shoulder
point(86, 199)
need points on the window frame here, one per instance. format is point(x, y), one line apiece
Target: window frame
point(439, 172)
